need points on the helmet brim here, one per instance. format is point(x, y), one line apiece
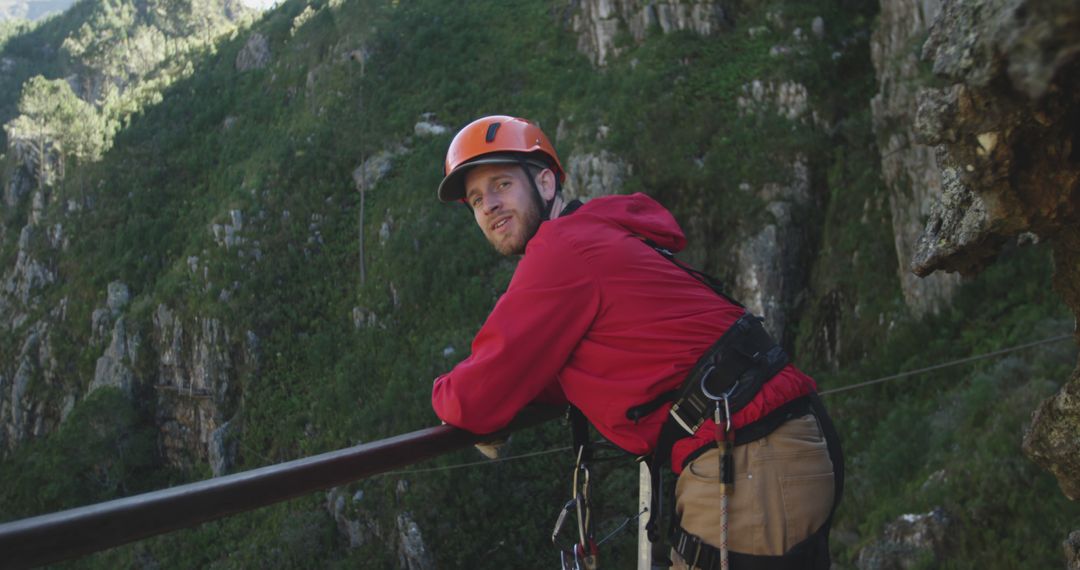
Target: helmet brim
point(452, 187)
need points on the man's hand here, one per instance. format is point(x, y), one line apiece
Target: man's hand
point(492, 449)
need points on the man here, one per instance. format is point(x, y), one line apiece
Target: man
point(600, 316)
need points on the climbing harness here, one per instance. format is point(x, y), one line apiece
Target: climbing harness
point(723, 381)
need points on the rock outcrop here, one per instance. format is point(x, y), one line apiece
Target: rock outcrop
point(599, 22)
point(589, 175)
point(1072, 551)
point(909, 168)
point(34, 398)
point(909, 542)
point(1002, 125)
point(352, 522)
point(255, 54)
point(771, 263)
point(1002, 131)
point(412, 554)
point(196, 387)
point(368, 175)
point(115, 367)
point(30, 273)
point(359, 527)
point(427, 126)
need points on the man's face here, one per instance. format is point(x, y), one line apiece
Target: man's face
point(504, 205)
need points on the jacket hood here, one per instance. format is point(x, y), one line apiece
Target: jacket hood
point(640, 215)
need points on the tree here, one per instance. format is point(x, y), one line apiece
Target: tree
point(55, 125)
point(103, 42)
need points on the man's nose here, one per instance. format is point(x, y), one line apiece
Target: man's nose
point(491, 202)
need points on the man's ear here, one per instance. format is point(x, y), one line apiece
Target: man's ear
point(545, 183)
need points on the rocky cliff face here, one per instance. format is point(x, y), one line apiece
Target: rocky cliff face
point(192, 365)
point(601, 23)
point(33, 397)
point(199, 364)
point(910, 169)
point(1000, 117)
point(773, 263)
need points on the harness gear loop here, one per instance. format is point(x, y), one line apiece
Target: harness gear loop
point(583, 554)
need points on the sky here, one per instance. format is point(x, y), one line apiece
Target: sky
point(31, 9)
point(37, 9)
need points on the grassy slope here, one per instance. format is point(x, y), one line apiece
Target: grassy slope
point(324, 384)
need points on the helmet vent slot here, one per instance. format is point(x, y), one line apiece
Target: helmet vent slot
point(492, 129)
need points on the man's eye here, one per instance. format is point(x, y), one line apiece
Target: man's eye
point(504, 185)
point(476, 201)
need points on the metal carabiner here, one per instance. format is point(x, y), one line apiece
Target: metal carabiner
point(562, 519)
point(583, 510)
point(710, 395)
point(569, 560)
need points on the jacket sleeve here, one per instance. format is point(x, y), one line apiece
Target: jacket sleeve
point(525, 342)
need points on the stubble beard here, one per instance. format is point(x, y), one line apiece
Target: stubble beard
point(529, 224)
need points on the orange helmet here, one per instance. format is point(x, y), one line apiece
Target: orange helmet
point(497, 139)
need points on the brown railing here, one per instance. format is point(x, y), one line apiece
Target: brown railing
point(67, 534)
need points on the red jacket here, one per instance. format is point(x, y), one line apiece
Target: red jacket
point(596, 317)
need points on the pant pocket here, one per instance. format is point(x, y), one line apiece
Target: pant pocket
point(808, 500)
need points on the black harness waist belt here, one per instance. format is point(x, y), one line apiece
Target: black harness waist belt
point(736, 366)
point(734, 369)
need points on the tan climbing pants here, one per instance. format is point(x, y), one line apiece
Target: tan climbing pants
point(783, 492)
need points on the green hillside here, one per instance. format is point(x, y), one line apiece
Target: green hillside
point(276, 147)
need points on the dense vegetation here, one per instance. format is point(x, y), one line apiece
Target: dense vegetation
point(279, 145)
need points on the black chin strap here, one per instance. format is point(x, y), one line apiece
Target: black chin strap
point(545, 212)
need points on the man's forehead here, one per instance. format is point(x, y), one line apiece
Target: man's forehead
point(485, 173)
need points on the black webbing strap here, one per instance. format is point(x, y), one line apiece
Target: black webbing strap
point(810, 554)
point(749, 433)
point(725, 367)
point(710, 281)
point(579, 434)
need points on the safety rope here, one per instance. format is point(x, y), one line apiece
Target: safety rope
point(947, 364)
point(621, 526)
